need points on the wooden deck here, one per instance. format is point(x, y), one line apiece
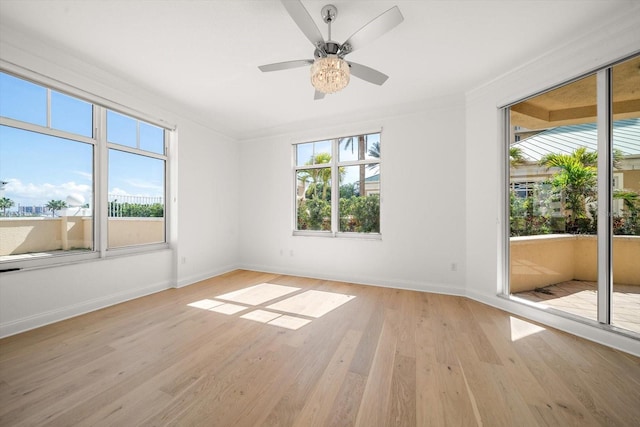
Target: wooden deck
point(254, 349)
point(581, 298)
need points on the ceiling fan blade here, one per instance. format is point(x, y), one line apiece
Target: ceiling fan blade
point(318, 95)
point(366, 73)
point(303, 20)
point(285, 65)
point(374, 29)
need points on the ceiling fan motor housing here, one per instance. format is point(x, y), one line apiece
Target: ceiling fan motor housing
point(328, 48)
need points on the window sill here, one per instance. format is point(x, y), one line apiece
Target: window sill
point(341, 235)
point(52, 259)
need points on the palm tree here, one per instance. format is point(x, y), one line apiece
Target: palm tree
point(516, 157)
point(5, 204)
point(350, 142)
point(317, 177)
point(374, 151)
point(630, 199)
point(56, 205)
point(576, 179)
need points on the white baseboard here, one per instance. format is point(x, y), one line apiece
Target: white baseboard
point(436, 288)
point(190, 280)
point(42, 319)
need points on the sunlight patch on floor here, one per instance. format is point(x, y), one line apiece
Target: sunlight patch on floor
point(205, 304)
point(291, 313)
point(258, 294)
point(521, 328)
point(289, 322)
point(228, 308)
point(276, 319)
point(312, 303)
point(261, 316)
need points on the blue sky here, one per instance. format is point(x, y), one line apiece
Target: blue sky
point(306, 151)
point(39, 167)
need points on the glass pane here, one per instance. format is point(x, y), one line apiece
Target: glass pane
point(553, 199)
point(360, 210)
point(313, 153)
point(321, 152)
point(359, 147)
point(304, 154)
point(313, 199)
point(151, 138)
point(71, 115)
point(348, 149)
point(625, 311)
point(136, 199)
point(22, 100)
point(373, 146)
point(122, 130)
point(47, 194)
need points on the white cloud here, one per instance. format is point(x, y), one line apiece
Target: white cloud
point(40, 194)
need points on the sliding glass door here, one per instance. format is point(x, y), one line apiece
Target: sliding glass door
point(573, 194)
point(625, 302)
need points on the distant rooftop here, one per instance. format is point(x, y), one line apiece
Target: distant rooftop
point(566, 139)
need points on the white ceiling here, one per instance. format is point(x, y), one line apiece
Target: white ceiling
point(203, 55)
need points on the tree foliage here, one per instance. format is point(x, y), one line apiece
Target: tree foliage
point(5, 203)
point(574, 188)
point(56, 205)
point(516, 157)
point(133, 210)
point(360, 214)
point(576, 180)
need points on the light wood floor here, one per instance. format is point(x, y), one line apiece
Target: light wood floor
point(384, 357)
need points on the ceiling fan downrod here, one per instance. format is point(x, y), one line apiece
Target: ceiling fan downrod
point(329, 14)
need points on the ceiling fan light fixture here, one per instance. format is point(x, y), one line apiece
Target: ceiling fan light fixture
point(330, 74)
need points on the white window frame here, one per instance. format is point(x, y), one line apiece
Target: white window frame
point(335, 164)
point(100, 168)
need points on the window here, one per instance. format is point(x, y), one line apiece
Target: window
point(574, 198)
point(136, 179)
point(337, 186)
point(62, 157)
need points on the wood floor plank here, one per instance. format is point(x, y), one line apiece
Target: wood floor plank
point(316, 409)
point(347, 403)
point(375, 404)
point(429, 408)
point(403, 390)
point(300, 378)
point(385, 357)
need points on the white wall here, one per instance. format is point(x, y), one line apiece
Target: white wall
point(618, 38)
point(422, 209)
point(205, 185)
point(209, 199)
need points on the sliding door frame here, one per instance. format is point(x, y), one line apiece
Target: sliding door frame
point(605, 165)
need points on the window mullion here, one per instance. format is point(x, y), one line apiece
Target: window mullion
point(49, 108)
point(101, 184)
point(138, 134)
point(335, 188)
point(31, 127)
point(605, 178)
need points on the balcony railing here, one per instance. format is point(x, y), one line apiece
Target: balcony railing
point(22, 235)
point(543, 260)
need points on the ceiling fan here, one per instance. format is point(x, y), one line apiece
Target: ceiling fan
point(329, 70)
